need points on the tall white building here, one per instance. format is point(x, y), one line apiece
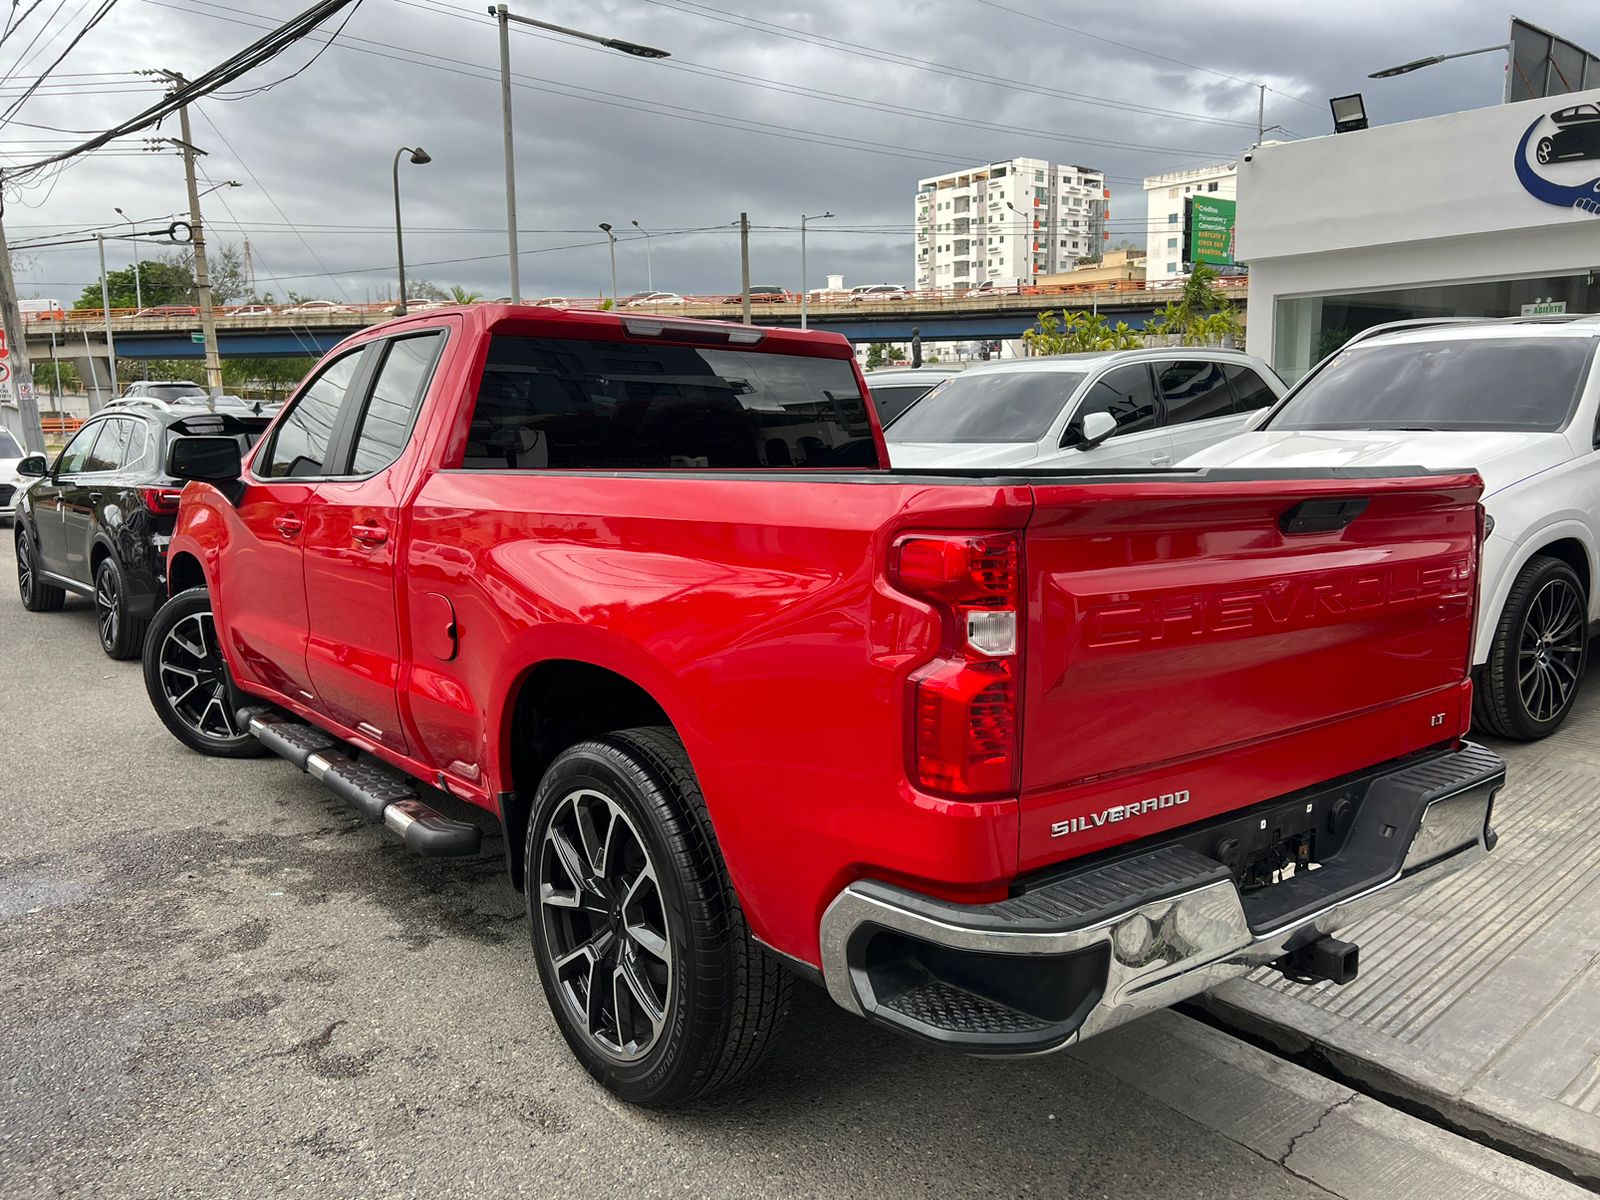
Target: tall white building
point(1164, 197)
point(1007, 223)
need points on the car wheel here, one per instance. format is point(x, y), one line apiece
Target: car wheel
point(187, 679)
point(37, 595)
point(1537, 657)
point(646, 961)
point(1544, 149)
point(121, 635)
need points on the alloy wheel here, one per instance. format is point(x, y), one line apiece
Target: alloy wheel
point(193, 680)
point(1550, 650)
point(25, 568)
point(107, 607)
point(605, 925)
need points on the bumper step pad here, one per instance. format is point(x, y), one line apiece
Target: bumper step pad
point(375, 790)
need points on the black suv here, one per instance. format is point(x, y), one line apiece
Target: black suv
point(98, 521)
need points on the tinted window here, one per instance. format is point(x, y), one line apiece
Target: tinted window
point(894, 399)
point(989, 406)
point(77, 450)
point(1195, 391)
point(1526, 384)
point(548, 402)
point(1250, 391)
point(301, 443)
point(401, 380)
point(109, 447)
point(138, 444)
point(8, 446)
point(1128, 395)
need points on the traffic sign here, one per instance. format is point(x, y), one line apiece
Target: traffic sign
point(198, 337)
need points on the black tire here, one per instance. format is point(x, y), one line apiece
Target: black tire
point(720, 997)
point(1544, 149)
point(180, 649)
point(1536, 660)
point(121, 634)
point(37, 595)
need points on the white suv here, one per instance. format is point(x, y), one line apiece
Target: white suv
point(1518, 401)
point(1111, 408)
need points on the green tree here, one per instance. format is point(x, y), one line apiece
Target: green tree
point(160, 282)
point(225, 266)
point(882, 354)
point(1201, 315)
point(44, 376)
point(1075, 331)
point(425, 289)
point(264, 378)
point(460, 295)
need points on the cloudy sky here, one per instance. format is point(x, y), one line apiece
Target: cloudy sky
point(804, 107)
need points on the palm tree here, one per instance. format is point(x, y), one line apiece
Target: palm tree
point(460, 295)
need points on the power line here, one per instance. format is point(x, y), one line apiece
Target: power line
point(100, 14)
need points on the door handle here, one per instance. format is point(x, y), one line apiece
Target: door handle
point(1161, 460)
point(287, 525)
point(94, 497)
point(370, 535)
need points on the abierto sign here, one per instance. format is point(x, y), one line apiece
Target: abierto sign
point(1208, 230)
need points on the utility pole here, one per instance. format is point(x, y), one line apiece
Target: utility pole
point(804, 278)
point(202, 276)
point(744, 267)
point(1261, 113)
point(17, 345)
point(105, 302)
point(649, 264)
point(249, 269)
point(503, 15)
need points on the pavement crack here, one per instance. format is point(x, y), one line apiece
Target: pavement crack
point(1288, 1153)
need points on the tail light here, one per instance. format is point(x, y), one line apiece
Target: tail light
point(162, 499)
point(964, 703)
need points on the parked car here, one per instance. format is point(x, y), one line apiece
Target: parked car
point(10, 456)
point(1001, 760)
point(989, 288)
point(97, 522)
point(895, 389)
point(760, 293)
point(1517, 400)
point(41, 310)
point(311, 308)
point(252, 310)
point(552, 302)
point(653, 300)
point(1578, 135)
point(164, 312)
point(1114, 408)
point(878, 292)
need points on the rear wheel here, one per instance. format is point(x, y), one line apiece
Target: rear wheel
point(187, 679)
point(1545, 149)
point(1537, 657)
point(643, 950)
point(121, 635)
point(37, 595)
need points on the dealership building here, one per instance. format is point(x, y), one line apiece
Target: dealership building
point(1493, 212)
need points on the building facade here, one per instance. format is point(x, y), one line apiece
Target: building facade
point(1164, 197)
point(1494, 212)
point(1007, 223)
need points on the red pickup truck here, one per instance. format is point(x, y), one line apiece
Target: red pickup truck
point(1000, 760)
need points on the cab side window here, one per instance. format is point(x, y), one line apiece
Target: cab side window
point(1195, 391)
point(110, 448)
point(1250, 391)
point(72, 458)
point(1128, 394)
point(397, 392)
point(300, 445)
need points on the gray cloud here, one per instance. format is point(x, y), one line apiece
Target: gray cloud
point(604, 137)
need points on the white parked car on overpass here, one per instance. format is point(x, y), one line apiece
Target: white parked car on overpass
point(1114, 408)
point(1519, 401)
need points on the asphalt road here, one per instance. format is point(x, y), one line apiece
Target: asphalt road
point(215, 980)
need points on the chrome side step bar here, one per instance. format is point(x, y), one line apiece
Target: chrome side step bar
point(375, 790)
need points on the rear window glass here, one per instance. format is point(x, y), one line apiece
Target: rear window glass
point(1513, 384)
point(8, 446)
point(894, 399)
point(998, 406)
point(569, 404)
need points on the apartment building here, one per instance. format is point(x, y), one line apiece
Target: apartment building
point(1007, 222)
point(1164, 205)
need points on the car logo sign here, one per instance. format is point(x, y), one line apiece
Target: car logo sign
point(1576, 137)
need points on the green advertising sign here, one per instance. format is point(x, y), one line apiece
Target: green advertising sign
point(1211, 230)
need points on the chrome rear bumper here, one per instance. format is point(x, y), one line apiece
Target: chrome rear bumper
point(1094, 949)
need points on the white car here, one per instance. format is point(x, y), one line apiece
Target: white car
point(251, 310)
point(895, 389)
point(1518, 401)
point(1114, 408)
point(653, 300)
point(551, 302)
point(878, 292)
point(11, 486)
point(314, 307)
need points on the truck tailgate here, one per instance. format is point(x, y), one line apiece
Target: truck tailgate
point(1198, 645)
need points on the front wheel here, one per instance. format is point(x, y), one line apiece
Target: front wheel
point(1537, 657)
point(187, 679)
point(643, 951)
point(37, 595)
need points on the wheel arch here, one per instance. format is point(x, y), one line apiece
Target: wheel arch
point(184, 572)
point(1568, 539)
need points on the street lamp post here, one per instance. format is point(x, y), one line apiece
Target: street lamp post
point(138, 288)
point(1432, 60)
point(804, 278)
point(649, 267)
point(613, 239)
point(1027, 235)
point(419, 156)
point(105, 302)
point(505, 17)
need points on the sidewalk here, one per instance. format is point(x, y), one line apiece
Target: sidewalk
point(1480, 999)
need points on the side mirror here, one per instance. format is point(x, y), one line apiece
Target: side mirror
point(209, 459)
point(33, 466)
point(1091, 430)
